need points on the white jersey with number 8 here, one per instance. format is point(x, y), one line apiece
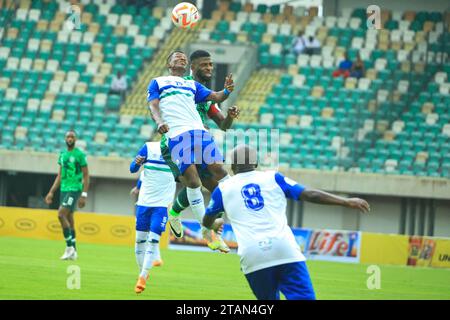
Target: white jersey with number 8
point(255, 203)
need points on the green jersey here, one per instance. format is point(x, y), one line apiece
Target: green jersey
point(202, 108)
point(71, 163)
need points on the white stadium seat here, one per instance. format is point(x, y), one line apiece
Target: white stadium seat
point(4, 53)
point(12, 63)
point(132, 30)
point(121, 49)
point(75, 36)
point(21, 14)
point(11, 93)
point(34, 14)
point(33, 44)
point(303, 60)
point(52, 65)
point(235, 26)
point(26, 64)
point(84, 57)
point(112, 19)
point(33, 104)
point(125, 20)
point(272, 28)
point(254, 17)
point(88, 37)
point(140, 40)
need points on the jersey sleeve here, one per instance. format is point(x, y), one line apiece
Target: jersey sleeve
point(60, 159)
point(153, 91)
point(134, 167)
point(82, 159)
point(290, 188)
point(215, 204)
point(139, 183)
point(201, 93)
point(213, 110)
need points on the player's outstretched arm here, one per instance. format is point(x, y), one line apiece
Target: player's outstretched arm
point(322, 197)
point(221, 96)
point(55, 186)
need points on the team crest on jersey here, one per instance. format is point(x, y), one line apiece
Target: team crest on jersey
point(72, 159)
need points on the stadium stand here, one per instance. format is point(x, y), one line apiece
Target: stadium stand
point(394, 120)
point(54, 79)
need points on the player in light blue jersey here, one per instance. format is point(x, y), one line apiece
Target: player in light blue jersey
point(172, 102)
point(156, 193)
point(255, 203)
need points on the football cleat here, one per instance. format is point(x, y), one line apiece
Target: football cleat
point(222, 246)
point(176, 226)
point(74, 256)
point(158, 263)
point(140, 285)
point(68, 253)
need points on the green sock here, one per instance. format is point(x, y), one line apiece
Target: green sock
point(181, 202)
point(74, 241)
point(68, 236)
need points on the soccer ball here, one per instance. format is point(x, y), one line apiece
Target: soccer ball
point(185, 15)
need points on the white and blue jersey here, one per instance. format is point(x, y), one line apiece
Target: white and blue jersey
point(157, 184)
point(177, 101)
point(189, 143)
point(255, 203)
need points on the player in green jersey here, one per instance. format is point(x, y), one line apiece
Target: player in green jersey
point(202, 68)
point(73, 178)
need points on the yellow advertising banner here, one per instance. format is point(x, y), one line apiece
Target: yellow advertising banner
point(90, 227)
point(441, 256)
point(378, 248)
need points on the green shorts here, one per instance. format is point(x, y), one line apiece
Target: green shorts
point(165, 152)
point(68, 199)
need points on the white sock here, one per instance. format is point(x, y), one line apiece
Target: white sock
point(153, 245)
point(157, 253)
point(139, 247)
point(197, 203)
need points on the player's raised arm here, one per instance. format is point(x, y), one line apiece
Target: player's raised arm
point(223, 95)
point(222, 122)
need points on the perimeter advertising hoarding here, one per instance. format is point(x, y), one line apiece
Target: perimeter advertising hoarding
point(331, 245)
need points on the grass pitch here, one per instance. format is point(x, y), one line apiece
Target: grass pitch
point(31, 269)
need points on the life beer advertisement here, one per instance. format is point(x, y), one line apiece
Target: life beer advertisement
point(331, 245)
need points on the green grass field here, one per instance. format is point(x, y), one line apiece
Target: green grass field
point(31, 269)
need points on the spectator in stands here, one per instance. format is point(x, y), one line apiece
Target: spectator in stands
point(298, 44)
point(119, 85)
point(358, 69)
point(345, 67)
point(312, 46)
